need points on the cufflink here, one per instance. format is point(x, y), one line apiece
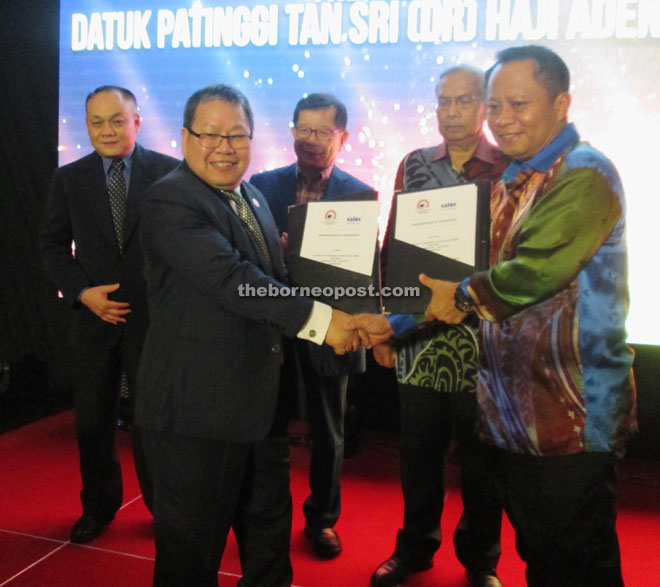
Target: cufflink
point(312, 333)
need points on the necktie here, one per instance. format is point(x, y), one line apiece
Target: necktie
point(247, 216)
point(117, 196)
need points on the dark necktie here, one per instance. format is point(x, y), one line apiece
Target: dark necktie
point(247, 216)
point(117, 196)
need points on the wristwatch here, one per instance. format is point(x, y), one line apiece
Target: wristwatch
point(463, 301)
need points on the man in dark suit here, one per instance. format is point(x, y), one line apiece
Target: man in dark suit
point(319, 133)
point(214, 439)
point(92, 205)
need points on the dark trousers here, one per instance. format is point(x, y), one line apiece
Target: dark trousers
point(326, 408)
point(202, 488)
point(428, 420)
point(563, 510)
point(96, 378)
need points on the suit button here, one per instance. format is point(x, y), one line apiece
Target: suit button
point(276, 348)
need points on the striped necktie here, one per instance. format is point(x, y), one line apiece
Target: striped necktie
point(247, 216)
point(117, 196)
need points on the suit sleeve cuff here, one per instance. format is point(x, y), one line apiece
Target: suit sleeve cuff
point(317, 324)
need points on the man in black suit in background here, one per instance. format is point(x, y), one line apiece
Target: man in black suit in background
point(92, 205)
point(319, 133)
point(214, 439)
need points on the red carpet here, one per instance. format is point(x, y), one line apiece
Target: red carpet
point(39, 503)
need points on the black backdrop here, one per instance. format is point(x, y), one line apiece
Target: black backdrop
point(32, 319)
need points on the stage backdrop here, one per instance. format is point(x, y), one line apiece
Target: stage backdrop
point(382, 59)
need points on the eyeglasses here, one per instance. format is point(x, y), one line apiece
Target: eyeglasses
point(461, 101)
point(212, 141)
point(321, 134)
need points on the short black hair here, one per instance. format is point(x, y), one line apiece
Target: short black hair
point(221, 92)
point(318, 102)
point(126, 94)
point(478, 74)
point(550, 71)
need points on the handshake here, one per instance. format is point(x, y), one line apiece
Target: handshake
point(348, 333)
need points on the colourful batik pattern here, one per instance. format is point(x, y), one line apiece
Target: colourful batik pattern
point(435, 355)
point(555, 372)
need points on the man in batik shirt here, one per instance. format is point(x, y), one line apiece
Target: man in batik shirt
point(555, 386)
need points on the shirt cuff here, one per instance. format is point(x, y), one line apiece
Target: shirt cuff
point(317, 323)
point(464, 288)
point(401, 323)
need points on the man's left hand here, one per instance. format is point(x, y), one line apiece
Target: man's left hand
point(442, 306)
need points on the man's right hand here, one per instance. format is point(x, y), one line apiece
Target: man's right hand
point(376, 326)
point(342, 338)
point(96, 299)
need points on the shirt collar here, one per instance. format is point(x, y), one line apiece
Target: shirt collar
point(485, 151)
point(325, 173)
point(237, 190)
point(107, 161)
point(545, 158)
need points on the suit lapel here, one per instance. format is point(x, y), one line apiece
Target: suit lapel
point(140, 181)
point(260, 209)
point(285, 196)
point(335, 188)
point(288, 190)
point(95, 191)
point(240, 235)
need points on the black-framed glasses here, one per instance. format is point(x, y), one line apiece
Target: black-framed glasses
point(461, 101)
point(212, 141)
point(323, 135)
